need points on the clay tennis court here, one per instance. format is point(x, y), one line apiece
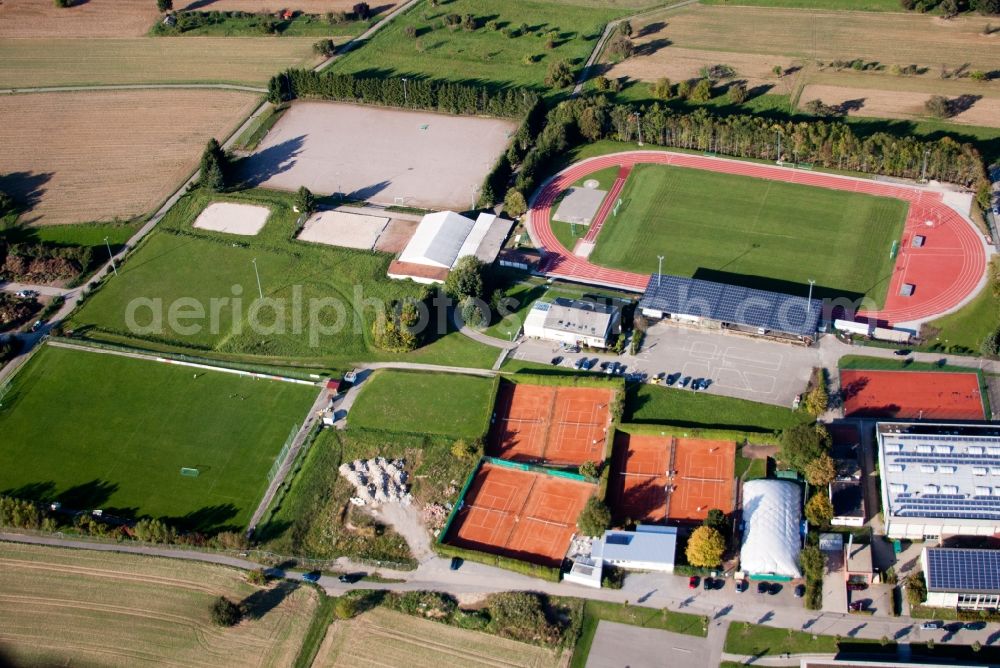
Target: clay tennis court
point(564, 426)
point(522, 514)
point(911, 394)
point(701, 478)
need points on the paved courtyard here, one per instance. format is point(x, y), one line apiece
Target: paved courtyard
point(616, 645)
point(741, 367)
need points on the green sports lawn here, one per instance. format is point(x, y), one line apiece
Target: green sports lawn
point(424, 403)
point(102, 431)
point(752, 231)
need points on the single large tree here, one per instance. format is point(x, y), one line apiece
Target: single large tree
point(819, 509)
point(595, 518)
point(559, 75)
point(225, 612)
point(165, 5)
point(514, 204)
point(305, 201)
point(821, 471)
point(803, 443)
point(466, 279)
point(214, 166)
point(705, 547)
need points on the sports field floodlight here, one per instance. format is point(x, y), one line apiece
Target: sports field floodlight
point(260, 290)
point(923, 171)
point(111, 255)
point(659, 270)
point(406, 98)
point(809, 302)
point(638, 126)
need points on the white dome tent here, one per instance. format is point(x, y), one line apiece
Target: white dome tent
point(771, 520)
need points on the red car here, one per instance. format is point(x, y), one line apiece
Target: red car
point(693, 582)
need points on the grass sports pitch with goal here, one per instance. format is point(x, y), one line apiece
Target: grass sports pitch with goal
point(755, 232)
point(101, 431)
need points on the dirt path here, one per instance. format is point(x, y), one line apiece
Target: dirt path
point(406, 521)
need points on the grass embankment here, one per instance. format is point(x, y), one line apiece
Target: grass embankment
point(117, 431)
point(320, 308)
point(653, 405)
point(776, 247)
point(424, 403)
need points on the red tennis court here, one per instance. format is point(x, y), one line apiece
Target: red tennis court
point(704, 478)
point(522, 514)
point(911, 394)
point(655, 478)
point(563, 426)
point(639, 477)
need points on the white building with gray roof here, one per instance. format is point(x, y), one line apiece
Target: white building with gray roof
point(939, 479)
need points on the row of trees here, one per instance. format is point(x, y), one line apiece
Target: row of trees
point(398, 92)
point(952, 7)
point(822, 143)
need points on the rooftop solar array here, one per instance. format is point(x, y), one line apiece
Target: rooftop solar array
point(774, 311)
point(945, 472)
point(963, 571)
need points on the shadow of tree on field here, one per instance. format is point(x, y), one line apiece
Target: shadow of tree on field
point(263, 601)
point(210, 519)
point(271, 161)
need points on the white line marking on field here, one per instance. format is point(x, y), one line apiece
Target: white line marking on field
point(703, 349)
point(770, 361)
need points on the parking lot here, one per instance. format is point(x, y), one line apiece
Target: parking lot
point(737, 366)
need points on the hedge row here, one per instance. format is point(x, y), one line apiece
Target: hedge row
point(412, 93)
point(550, 573)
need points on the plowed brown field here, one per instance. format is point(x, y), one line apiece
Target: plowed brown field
point(94, 18)
point(102, 155)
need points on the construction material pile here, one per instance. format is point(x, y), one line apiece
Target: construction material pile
point(377, 481)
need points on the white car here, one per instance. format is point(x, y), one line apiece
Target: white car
point(27, 294)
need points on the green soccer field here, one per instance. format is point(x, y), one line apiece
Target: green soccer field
point(101, 431)
point(447, 404)
point(753, 232)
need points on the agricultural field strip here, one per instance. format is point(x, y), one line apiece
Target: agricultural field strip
point(111, 575)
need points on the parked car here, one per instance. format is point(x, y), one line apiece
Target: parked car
point(611, 368)
point(456, 563)
point(350, 578)
point(902, 352)
point(742, 586)
point(672, 378)
point(707, 584)
point(570, 348)
point(696, 384)
point(27, 294)
point(800, 591)
point(312, 576)
point(773, 588)
point(580, 363)
point(684, 381)
point(856, 586)
point(38, 325)
point(590, 364)
point(932, 625)
point(557, 360)
point(705, 383)
point(859, 606)
point(693, 582)
point(763, 587)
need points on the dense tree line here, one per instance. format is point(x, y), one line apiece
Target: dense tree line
point(952, 7)
point(822, 143)
point(395, 92)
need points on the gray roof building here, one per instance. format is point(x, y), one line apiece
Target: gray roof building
point(731, 305)
point(649, 547)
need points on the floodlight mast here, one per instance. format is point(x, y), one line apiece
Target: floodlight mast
point(111, 256)
point(260, 290)
point(809, 302)
point(659, 270)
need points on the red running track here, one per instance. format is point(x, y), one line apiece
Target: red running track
point(945, 271)
point(608, 204)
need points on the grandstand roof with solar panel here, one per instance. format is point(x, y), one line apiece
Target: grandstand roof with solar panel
point(750, 310)
point(939, 479)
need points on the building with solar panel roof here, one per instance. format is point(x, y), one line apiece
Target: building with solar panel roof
point(939, 479)
point(708, 304)
point(962, 578)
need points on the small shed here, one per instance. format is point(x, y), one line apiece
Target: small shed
point(333, 386)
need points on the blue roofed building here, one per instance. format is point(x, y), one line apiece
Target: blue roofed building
point(960, 578)
point(697, 302)
point(648, 548)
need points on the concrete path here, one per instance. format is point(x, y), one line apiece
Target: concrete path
point(47, 290)
point(656, 591)
point(293, 453)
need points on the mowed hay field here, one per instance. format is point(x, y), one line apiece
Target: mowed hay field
point(68, 62)
point(383, 637)
point(677, 43)
point(83, 608)
point(93, 18)
point(101, 155)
